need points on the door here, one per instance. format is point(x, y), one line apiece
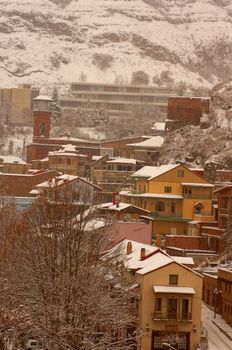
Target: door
point(172, 308)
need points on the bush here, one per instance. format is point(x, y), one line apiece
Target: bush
point(102, 61)
point(140, 78)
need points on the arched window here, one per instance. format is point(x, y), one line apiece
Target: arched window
point(68, 161)
point(173, 207)
point(59, 161)
point(159, 206)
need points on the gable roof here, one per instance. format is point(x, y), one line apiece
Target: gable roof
point(150, 172)
point(155, 258)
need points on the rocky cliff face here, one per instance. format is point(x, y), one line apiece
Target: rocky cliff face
point(173, 41)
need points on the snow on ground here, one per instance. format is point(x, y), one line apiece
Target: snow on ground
point(216, 339)
point(40, 43)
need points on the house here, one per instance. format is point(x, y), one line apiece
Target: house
point(147, 150)
point(66, 160)
point(215, 235)
point(13, 165)
point(169, 302)
point(174, 195)
point(67, 186)
point(113, 174)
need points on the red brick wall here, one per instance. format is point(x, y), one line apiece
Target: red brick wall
point(21, 185)
point(42, 117)
point(186, 242)
point(187, 109)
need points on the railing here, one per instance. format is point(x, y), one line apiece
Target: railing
point(183, 316)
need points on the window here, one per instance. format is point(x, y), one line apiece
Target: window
point(173, 280)
point(172, 308)
point(167, 189)
point(185, 309)
point(187, 190)
point(159, 206)
point(180, 173)
point(173, 207)
point(68, 161)
point(158, 304)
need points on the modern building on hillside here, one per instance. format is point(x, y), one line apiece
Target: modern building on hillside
point(169, 305)
point(117, 100)
point(174, 194)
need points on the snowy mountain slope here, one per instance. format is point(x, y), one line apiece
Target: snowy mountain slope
point(46, 42)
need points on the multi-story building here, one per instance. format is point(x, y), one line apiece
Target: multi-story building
point(117, 100)
point(215, 235)
point(16, 104)
point(169, 306)
point(113, 174)
point(174, 194)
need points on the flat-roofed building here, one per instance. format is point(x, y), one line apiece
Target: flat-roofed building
point(117, 100)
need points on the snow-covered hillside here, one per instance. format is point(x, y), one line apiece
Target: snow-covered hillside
point(54, 41)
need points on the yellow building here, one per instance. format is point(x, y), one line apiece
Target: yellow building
point(13, 165)
point(174, 194)
point(169, 307)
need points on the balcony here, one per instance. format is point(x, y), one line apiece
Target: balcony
point(168, 316)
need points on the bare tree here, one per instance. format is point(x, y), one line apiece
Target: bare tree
point(75, 294)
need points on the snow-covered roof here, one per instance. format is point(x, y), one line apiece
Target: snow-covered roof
point(154, 258)
point(69, 148)
point(159, 126)
point(154, 195)
point(42, 98)
point(193, 184)
point(154, 141)
point(11, 160)
point(59, 180)
point(120, 206)
point(151, 172)
point(96, 157)
point(172, 289)
point(185, 260)
point(60, 153)
point(95, 224)
point(122, 160)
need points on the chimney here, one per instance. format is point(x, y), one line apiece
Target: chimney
point(129, 248)
point(114, 194)
point(142, 253)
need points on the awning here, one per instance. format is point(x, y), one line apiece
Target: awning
point(171, 289)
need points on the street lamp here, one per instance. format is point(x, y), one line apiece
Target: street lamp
point(216, 293)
